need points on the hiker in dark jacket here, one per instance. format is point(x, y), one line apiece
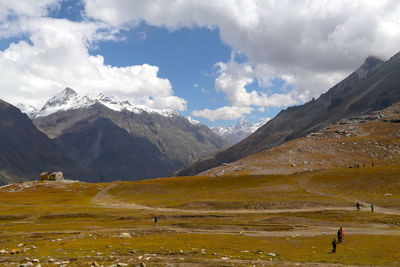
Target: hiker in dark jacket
point(339, 236)
point(155, 219)
point(358, 207)
point(334, 245)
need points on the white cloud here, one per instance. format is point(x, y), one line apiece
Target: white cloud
point(316, 34)
point(223, 113)
point(57, 56)
point(26, 7)
point(234, 78)
point(309, 44)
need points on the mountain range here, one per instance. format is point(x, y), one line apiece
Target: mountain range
point(112, 139)
point(374, 86)
point(236, 133)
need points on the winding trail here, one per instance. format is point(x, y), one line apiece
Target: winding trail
point(308, 188)
point(104, 199)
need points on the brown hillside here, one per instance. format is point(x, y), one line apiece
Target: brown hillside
point(367, 139)
point(374, 86)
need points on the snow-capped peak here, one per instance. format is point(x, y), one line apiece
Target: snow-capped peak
point(192, 121)
point(27, 109)
point(62, 97)
point(236, 133)
point(68, 99)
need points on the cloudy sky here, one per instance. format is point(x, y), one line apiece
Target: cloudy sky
point(215, 60)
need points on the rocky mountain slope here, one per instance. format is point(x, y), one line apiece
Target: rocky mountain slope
point(365, 141)
point(236, 133)
point(374, 86)
point(118, 140)
point(25, 152)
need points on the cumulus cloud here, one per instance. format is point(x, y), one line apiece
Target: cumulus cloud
point(26, 7)
point(234, 78)
point(57, 56)
point(309, 44)
point(316, 34)
point(223, 113)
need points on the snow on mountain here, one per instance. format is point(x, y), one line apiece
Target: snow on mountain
point(192, 121)
point(236, 133)
point(68, 99)
point(27, 109)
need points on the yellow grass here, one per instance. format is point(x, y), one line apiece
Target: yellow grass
point(64, 222)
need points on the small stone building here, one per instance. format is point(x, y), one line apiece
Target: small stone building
point(51, 176)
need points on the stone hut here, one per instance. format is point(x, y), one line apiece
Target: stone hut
point(51, 176)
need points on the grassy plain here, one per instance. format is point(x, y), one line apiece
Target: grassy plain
point(211, 221)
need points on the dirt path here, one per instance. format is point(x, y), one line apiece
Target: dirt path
point(306, 232)
point(105, 200)
point(309, 188)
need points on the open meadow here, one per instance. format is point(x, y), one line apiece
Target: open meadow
point(287, 220)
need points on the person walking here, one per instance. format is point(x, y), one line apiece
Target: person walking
point(372, 208)
point(334, 245)
point(155, 219)
point(358, 206)
point(341, 234)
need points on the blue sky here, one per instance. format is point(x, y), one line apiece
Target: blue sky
point(216, 61)
point(186, 57)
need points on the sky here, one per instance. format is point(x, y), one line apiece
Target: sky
point(217, 61)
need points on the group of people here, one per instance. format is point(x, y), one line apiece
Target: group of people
point(358, 207)
point(340, 232)
point(340, 237)
point(357, 165)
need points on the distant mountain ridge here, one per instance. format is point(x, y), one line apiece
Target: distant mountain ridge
point(25, 152)
point(68, 99)
point(236, 133)
point(374, 86)
point(118, 140)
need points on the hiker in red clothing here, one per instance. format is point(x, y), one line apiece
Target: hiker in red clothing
point(341, 235)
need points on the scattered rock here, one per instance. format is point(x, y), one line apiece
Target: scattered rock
point(141, 264)
point(122, 264)
point(15, 251)
point(271, 254)
point(124, 235)
point(95, 264)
